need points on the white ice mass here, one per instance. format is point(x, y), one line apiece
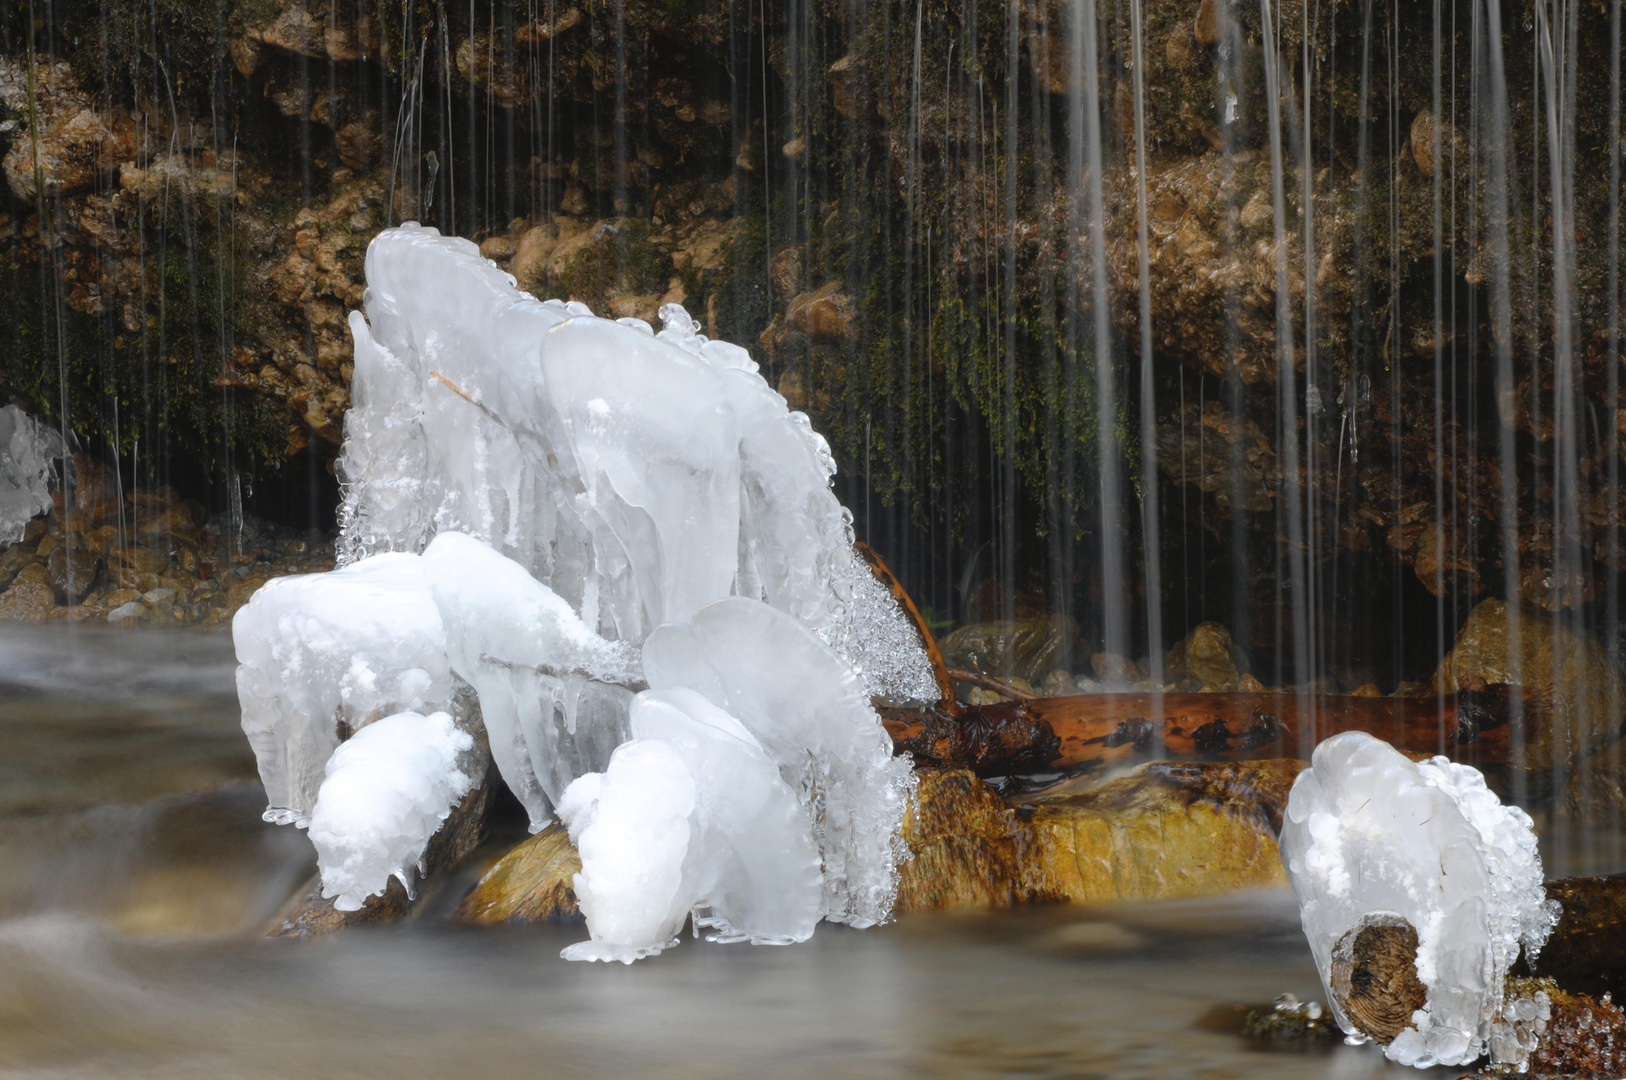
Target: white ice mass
point(28, 450)
point(387, 790)
point(1371, 835)
point(560, 511)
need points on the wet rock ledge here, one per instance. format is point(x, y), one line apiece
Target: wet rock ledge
point(143, 558)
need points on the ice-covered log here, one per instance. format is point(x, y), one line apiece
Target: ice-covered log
point(637, 476)
point(386, 792)
point(322, 655)
point(1392, 858)
point(28, 451)
point(553, 693)
point(811, 714)
point(691, 818)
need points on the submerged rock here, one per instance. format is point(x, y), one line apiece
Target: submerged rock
point(1164, 830)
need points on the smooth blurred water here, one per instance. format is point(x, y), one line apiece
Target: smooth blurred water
point(136, 876)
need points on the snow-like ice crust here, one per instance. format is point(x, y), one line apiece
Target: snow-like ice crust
point(811, 714)
point(690, 817)
point(387, 791)
point(1370, 834)
point(318, 653)
point(28, 452)
point(638, 476)
point(552, 692)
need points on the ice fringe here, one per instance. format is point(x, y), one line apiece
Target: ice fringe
point(28, 450)
point(1370, 834)
point(572, 484)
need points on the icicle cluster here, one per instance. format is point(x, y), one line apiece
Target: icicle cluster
point(28, 451)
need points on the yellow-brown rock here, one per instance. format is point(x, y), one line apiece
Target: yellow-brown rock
point(532, 883)
point(1523, 647)
point(1208, 657)
point(1166, 830)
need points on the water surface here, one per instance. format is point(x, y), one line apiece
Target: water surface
point(136, 876)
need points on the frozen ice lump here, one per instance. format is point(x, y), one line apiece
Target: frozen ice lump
point(1381, 851)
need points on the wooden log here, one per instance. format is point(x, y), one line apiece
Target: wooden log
point(1094, 733)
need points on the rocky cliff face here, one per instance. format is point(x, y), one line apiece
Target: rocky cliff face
point(895, 204)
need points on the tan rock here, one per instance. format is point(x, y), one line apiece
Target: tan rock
point(1208, 657)
point(27, 600)
point(1115, 669)
point(1205, 27)
point(1523, 647)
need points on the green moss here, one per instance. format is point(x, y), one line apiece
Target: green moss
point(621, 259)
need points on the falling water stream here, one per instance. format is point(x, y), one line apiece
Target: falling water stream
point(1300, 316)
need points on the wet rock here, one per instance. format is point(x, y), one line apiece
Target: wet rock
point(1115, 670)
point(535, 882)
point(1206, 657)
point(825, 314)
point(14, 558)
point(66, 141)
point(29, 598)
point(1027, 648)
point(1165, 830)
point(1499, 644)
point(1059, 683)
point(70, 570)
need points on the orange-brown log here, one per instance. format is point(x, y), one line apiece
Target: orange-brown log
point(1097, 732)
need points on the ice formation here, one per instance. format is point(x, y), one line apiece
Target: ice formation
point(638, 476)
point(690, 817)
point(1371, 836)
point(810, 713)
point(559, 510)
point(386, 793)
point(28, 451)
point(552, 692)
point(321, 655)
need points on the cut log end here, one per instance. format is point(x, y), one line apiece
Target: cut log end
point(1374, 977)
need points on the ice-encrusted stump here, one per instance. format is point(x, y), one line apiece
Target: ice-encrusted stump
point(1416, 889)
point(28, 450)
point(637, 475)
point(811, 714)
point(387, 792)
point(553, 693)
point(321, 655)
point(691, 817)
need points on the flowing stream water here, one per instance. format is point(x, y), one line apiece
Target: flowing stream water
point(136, 879)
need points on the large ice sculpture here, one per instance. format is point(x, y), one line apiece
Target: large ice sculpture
point(813, 718)
point(321, 655)
point(1373, 838)
point(387, 791)
point(690, 817)
point(552, 692)
point(637, 476)
point(28, 449)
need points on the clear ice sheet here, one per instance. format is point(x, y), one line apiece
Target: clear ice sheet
point(1369, 834)
point(28, 452)
point(386, 792)
point(322, 655)
point(749, 869)
point(581, 448)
